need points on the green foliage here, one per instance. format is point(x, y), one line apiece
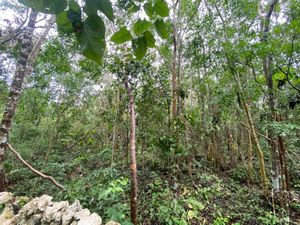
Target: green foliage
point(63, 23)
point(149, 9)
point(102, 193)
point(150, 39)
point(220, 220)
point(140, 26)
point(121, 36)
point(161, 8)
point(161, 28)
point(105, 6)
point(269, 219)
point(46, 6)
point(72, 120)
point(92, 38)
point(139, 46)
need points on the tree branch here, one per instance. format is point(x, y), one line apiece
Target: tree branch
point(245, 125)
point(18, 31)
point(34, 170)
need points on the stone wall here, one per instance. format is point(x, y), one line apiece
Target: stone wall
point(43, 211)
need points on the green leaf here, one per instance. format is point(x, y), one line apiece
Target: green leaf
point(161, 28)
point(150, 39)
point(141, 26)
point(63, 23)
point(134, 8)
point(279, 76)
point(121, 36)
point(161, 8)
point(46, 6)
point(261, 79)
point(92, 38)
point(149, 10)
point(92, 6)
point(139, 46)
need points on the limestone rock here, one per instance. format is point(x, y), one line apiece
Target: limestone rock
point(112, 223)
point(52, 213)
point(5, 197)
point(75, 207)
point(92, 219)
point(43, 202)
point(68, 217)
point(6, 215)
point(42, 211)
point(82, 213)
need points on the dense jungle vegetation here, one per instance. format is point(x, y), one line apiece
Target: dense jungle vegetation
point(154, 112)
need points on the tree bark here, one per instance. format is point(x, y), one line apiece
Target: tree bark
point(15, 91)
point(250, 156)
point(133, 197)
point(267, 68)
point(260, 154)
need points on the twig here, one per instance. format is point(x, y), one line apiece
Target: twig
point(245, 125)
point(34, 170)
point(255, 77)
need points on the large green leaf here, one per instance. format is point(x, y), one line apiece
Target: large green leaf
point(161, 8)
point(149, 10)
point(46, 6)
point(92, 6)
point(161, 28)
point(150, 39)
point(139, 46)
point(141, 26)
point(92, 38)
point(63, 23)
point(121, 36)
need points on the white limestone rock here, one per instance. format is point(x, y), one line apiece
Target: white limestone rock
point(82, 213)
point(92, 219)
point(52, 213)
point(5, 197)
point(112, 223)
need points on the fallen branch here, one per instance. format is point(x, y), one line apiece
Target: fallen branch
point(34, 170)
point(245, 125)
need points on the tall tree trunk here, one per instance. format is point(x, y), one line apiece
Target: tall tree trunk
point(173, 72)
point(260, 155)
point(267, 68)
point(15, 91)
point(133, 197)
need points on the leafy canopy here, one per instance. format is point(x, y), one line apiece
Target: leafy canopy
point(90, 29)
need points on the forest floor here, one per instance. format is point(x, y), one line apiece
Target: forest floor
point(209, 197)
point(166, 196)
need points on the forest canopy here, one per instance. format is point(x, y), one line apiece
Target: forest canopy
point(154, 111)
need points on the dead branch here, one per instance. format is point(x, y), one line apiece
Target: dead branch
point(34, 170)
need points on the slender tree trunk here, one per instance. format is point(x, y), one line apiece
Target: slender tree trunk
point(267, 68)
point(15, 91)
point(272, 116)
point(133, 198)
point(283, 159)
point(250, 156)
point(260, 155)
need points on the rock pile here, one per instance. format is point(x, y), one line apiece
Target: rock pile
point(42, 211)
